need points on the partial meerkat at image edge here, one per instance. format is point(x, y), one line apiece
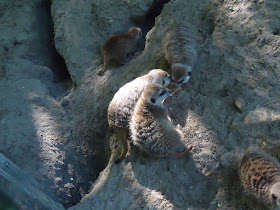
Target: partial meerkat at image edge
point(118, 46)
point(151, 130)
point(122, 105)
point(260, 176)
point(179, 46)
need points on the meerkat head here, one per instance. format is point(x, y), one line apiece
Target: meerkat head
point(137, 32)
point(155, 94)
point(181, 73)
point(275, 193)
point(160, 77)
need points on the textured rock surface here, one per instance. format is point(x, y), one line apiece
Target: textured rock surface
point(232, 65)
point(60, 134)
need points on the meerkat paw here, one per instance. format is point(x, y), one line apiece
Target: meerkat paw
point(100, 72)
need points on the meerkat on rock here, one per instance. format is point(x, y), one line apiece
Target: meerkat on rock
point(179, 46)
point(122, 105)
point(260, 176)
point(118, 46)
point(150, 127)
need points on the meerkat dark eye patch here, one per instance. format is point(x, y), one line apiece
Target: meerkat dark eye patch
point(189, 73)
point(181, 81)
point(274, 197)
point(163, 82)
point(162, 93)
point(153, 100)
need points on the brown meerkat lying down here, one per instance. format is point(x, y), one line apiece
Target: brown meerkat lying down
point(118, 46)
point(150, 127)
point(260, 176)
point(122, 105)
point(179, 46)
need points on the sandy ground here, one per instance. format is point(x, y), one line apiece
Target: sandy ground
point(230, 102)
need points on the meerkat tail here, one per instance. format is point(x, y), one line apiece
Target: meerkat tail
point(183, 154)
point(123, 136)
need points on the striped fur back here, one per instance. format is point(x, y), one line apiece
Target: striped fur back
point(180, 45)
point(258, 172)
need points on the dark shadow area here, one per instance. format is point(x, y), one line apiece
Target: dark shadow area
point(147, 22)
point(276, 32)
point(47, 47)
point(6, 202)
point(153, 12)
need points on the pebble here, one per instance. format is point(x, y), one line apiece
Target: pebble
point(64, 102)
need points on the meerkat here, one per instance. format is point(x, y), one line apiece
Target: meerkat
point(260, 176)
point(123, 103)
point(118, 46)
point(151, 130)
point(179, 46)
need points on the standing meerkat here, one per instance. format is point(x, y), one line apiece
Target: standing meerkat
point(179, 46)
point(260, 176)
point(118, 46)
point(151, 130)
point(122, 105)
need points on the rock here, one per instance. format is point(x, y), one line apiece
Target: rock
point(64, 102)
point(239, 104)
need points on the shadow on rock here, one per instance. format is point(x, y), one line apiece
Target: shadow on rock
point(178, 181)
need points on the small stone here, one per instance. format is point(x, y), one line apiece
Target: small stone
point(213, 202)
point(239, 103)
point(238, 79)
point(64, 102)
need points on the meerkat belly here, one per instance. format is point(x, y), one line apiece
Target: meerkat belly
point(153, 137)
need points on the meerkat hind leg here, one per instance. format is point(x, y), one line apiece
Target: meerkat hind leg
point(106, 60)
point(122, 134)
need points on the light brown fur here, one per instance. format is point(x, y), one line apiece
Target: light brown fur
point(118, 46)
point(150, 127)
point(179, 47)
point(260, 176)
point(122, 105)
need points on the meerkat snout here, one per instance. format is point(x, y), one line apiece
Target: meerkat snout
point(166, 81)
point(275, 193)
point(181, 73)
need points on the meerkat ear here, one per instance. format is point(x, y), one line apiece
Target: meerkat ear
point(153, 100)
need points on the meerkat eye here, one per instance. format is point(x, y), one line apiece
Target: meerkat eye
point(274, 197)
point(162, 93)
point(153, 100)
point(163, 82)
point(189, 73)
